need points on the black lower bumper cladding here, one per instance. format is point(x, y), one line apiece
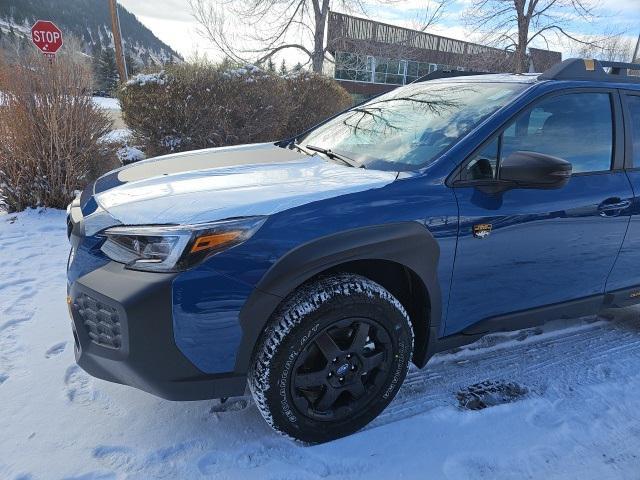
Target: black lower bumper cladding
point(123, 333)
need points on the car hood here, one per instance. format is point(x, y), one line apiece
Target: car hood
point(214, 184)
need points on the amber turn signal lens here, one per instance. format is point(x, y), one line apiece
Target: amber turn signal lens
point(215, 240)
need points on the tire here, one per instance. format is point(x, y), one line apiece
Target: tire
point(304, 393)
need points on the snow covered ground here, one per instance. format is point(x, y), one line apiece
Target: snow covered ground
point(574, 410)
point(107, 103)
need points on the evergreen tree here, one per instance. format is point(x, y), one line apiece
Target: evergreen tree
point(132, 65)
point(24, 44)
point(283, 68)
point(97, 46)
point(298, 67)
point(271, 67)
point(107, 70)
point(145, 58)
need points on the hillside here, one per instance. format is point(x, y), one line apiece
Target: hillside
point(90, 22)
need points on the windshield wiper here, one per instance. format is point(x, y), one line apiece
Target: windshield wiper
point(333, 155)
point(301, 148)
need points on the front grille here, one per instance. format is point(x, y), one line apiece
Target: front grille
point(101, 321)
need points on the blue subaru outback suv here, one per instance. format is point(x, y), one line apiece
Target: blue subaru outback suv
point(317, 268)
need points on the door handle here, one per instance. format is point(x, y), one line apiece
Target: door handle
point(613, 206)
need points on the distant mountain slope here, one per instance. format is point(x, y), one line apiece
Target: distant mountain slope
point(90, 21)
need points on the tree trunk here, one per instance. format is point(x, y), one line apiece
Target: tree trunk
point(520, 56)
point(321, 12)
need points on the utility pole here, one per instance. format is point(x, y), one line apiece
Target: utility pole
point(117, 41)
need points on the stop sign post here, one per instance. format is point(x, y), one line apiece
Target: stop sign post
point(47, 37)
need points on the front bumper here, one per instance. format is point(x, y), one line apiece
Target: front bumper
point(123, 329)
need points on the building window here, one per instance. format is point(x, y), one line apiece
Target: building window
point(369, 69)
point(351, 66)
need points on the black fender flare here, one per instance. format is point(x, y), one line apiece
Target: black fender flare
point(407, 243)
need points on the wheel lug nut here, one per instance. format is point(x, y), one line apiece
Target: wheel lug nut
point(335, 360)
point(349, 356)
point(330, 374)
point(353, 367)
point(341, 379)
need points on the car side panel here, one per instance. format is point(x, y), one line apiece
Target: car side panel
point(544, 247)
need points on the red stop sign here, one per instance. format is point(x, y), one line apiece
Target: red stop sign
point(46, 36)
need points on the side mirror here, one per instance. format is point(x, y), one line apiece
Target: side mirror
point(535, 170)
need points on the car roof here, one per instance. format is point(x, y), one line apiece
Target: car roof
point(599, 72)
point(491, 78)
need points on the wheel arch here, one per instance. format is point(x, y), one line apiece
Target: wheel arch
point(402, 257)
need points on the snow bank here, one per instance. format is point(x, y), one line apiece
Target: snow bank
point(579, 419)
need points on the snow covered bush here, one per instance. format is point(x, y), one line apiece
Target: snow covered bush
point(128, 154)
point(49, 132)
point(200, 105)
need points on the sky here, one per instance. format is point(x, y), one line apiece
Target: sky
point(173, 23)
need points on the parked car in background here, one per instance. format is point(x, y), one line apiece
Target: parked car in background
point(318, 268)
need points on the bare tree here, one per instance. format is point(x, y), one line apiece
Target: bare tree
point(255, 30)
point(617, 48)
point(514, 24)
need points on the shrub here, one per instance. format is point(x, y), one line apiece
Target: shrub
point(189, 106)
point(49, 132)
point(198, 106)
point(314, 97)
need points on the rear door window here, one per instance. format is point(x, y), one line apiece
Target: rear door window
point(633, 104)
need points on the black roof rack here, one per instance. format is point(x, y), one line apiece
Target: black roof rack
point(590, 69)
point(447, 74)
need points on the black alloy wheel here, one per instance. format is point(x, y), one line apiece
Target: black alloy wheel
point(341, 369)
point(331, 359)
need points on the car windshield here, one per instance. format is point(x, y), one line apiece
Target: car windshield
point(411, 126)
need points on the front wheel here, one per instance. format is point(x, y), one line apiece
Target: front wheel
point(331, 359)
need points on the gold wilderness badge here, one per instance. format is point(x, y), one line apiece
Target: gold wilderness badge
point(482, 230)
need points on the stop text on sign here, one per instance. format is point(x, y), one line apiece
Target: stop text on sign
point(46, 37)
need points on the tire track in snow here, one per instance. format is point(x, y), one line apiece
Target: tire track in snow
point(586, 353)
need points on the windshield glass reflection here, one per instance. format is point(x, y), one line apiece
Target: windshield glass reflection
point(410, 127)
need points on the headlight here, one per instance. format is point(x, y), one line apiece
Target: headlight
point(173, 248)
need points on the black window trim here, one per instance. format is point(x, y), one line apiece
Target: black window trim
point(618, 136)
point(628, 134)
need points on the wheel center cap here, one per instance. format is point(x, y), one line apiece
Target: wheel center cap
point(343, 369)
